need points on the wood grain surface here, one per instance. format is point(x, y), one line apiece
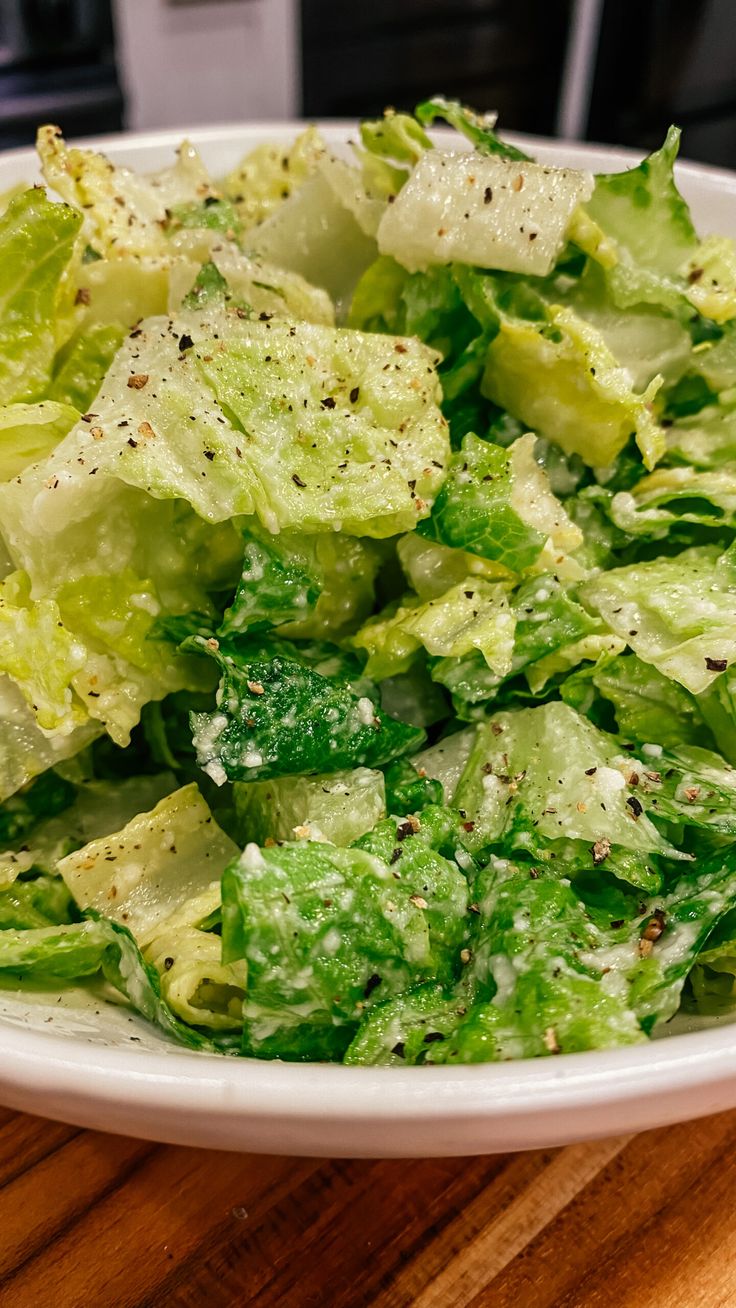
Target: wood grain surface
point(89, 1219)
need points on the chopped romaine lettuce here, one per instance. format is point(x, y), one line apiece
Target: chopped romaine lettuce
point(374, 534)
point(277, 716)
point(676, 613)
point(37, 240)
point(488, 212)
point(337, 807)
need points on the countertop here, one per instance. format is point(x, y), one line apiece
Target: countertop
point(88, 1219)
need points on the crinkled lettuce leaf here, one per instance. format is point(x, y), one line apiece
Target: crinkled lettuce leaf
point(125, 213)
point(560, 378)
point(548, 773)
point(474, 615)
point(676, 613)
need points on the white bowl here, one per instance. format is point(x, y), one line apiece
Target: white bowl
point(99, 1066)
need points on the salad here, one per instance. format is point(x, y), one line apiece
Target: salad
point(368, 600)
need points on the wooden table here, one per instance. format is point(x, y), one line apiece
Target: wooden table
point(89, 1219)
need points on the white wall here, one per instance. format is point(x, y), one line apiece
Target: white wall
point(182, 65)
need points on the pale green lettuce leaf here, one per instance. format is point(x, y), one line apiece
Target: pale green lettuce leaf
point(484, 211)
point(140, 875)
point(548, 773)
point(710, 272)
point(40, 655)
point(305, 234)
point(198, 987)
point(431, 568)
point(561, 379)
point(125, 212)
point(267, 175)
point(37, 239)
point(28, 432)
point(473, 616)
point(337, 807)
point(676, 613)
point(25, 750)
point(706, 439)
point(673, 495)
point(344, 429)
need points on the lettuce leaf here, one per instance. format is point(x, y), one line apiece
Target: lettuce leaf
point(313, 587)
point(485, 211)
point(140, 875)
point(28, 432)
point(37, 240)
point(125, 213)
point(498, 503)
point(268, 175)
point(326, 932)
point(561, 379)
point(265, 693)
point(337, 807)
point(474, 615)
point(676, 613)
point(547, 773)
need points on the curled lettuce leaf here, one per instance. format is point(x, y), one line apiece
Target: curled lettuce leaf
point(561, 379)
point(125, 213)
point(675, 495)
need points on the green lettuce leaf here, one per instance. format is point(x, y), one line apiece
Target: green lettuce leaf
point(475, 615)
point(37, 240)
point(28, 432)
point(337, 807)
point(676, 613)
point(315, 587)
point(327, 932)
point(477, 127)
point(276, 716)
point(81, 366)
point(498, 503)
point(86, 948)
point(548, 774)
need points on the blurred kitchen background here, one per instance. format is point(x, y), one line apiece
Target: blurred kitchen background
point(605, 70)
